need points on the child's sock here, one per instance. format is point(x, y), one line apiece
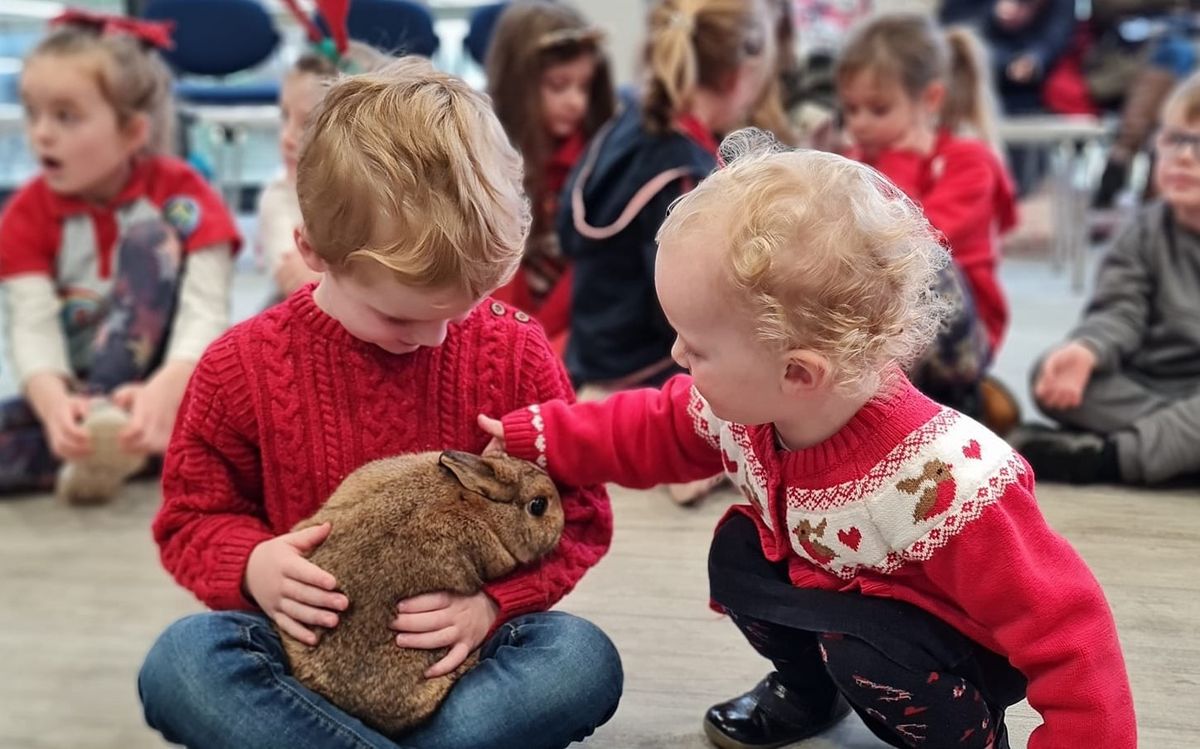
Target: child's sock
point(1068, 457)
point(97, 478)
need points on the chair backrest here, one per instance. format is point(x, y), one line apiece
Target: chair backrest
point(391, 26)
point(216, 37)
point(480, 29)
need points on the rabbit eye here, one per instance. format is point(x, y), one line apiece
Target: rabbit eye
point(537, 506)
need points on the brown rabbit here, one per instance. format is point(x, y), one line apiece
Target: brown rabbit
point(402, 527)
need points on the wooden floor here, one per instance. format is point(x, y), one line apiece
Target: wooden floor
point(83, 596)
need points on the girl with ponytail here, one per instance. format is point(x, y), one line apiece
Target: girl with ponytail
point(919, 108)
point(707, 63)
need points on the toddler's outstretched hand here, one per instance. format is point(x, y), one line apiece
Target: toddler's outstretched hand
point(494, 429)
point(293, 591)
point(1064, 376)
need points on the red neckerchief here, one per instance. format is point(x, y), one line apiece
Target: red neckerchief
point(104, 218)
point(692, 127)
point(135, 187)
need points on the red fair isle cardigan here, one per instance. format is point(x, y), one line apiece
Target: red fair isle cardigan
point(910, 500)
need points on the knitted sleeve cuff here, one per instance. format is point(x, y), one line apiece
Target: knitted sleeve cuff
point(515, 596)
point(228, 570)
point(525, 435)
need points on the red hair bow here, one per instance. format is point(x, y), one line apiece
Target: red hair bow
point(155, 33)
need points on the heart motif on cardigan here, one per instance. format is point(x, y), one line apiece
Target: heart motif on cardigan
point(851, 538)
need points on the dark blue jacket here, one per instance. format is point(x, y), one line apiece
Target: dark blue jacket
point(611, 208)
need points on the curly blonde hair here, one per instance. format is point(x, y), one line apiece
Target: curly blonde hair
point(825, 253)
point(408, 167)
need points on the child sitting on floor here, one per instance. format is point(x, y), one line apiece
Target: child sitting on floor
point(413, 212)
point(115, 263)
point(1128, 377)
point(891, 554)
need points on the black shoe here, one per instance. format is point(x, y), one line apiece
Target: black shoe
point(1068, 457)
point(771, 715)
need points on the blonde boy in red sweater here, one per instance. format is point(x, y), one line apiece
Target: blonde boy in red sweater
point(891, 557)
point(413, 212)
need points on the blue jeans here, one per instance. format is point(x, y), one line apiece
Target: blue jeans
point(220, 679)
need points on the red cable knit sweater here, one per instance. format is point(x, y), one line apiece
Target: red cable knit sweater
point(909, 500)
point(286, 404)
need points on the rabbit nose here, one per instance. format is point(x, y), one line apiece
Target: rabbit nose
point(537, 507)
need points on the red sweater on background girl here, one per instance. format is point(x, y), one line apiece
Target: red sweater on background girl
point(553, 310)
point(967, 195)
point(909, 500)
point(288, 403)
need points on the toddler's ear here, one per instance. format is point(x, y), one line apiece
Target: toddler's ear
point(804, 372)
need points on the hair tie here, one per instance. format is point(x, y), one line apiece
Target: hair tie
point(155, 34)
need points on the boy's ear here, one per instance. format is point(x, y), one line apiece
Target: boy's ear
point(475, 474)
point(805, 372)
point(314, 261)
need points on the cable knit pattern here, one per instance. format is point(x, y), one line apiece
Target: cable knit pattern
point(287, 404)
point(908, 500)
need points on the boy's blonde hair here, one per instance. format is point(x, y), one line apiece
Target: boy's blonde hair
point(408, 167)
point(1185, 99)
point(132, 77)
point(825, 253)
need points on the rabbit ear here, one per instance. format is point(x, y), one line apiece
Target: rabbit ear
point(474, 473)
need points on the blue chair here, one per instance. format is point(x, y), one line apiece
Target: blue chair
point(218, 38)
point(392, 26)
point(479, 31)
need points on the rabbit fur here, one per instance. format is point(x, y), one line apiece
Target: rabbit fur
point(405, 526)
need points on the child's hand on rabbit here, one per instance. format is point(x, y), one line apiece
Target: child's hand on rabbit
point(293, 591)
point(444, 620)
point(494, 428)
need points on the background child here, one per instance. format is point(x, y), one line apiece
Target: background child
point(413, 209)
point(891, 554)
point(707, 64)
point(550, 122)
point(1026, 38)
point(1129, 374)
point(912, 97)
point(278, 208)
point(115, 263)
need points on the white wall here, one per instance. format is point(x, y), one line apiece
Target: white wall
point(624, 21)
